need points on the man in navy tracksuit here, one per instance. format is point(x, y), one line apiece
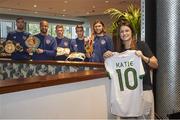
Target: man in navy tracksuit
point(78, 44)
point(18, 37)
point(101, 43)
point(62, 42)
point(48, 45)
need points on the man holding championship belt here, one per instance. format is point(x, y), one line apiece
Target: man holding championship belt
point(18, 51)
point(32, 43)
point(77, 45)
point(46, 49)
point(63, 44)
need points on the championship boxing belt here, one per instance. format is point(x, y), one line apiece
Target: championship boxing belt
point(62, 51)
point(76, 56)
point(1, 48)
point(32, 42)
point(9, 47)
point(19, 47)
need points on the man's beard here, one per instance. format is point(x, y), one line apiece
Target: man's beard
point(20, 28)
point(80, 36)
point(44, 31)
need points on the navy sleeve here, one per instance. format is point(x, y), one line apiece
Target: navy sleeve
point(69, 42)
point(72, 42)
point(9, 36)
point(52, 52)
point(109, 44)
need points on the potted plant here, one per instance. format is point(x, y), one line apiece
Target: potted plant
point(131, 14)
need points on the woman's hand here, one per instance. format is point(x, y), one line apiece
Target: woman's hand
point(152, 61)
point(108, 54)
point(139, 53)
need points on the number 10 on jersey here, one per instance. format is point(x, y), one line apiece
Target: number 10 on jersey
point(126, 78)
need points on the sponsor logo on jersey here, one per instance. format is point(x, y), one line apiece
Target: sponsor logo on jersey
point(103, 42)
point(14, 37)
point(48, 41)
point(65, 44)
point(75, 45)
point(24, 37)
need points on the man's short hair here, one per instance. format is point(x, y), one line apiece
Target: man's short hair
point(19, 18)
point(59, 26)
point(79, 26)
point(43, 21)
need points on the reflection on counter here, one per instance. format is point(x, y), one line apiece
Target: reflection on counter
point(23, 70)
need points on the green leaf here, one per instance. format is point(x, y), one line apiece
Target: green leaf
point(132, 14)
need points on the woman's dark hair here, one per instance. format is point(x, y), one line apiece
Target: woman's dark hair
point(124, 22)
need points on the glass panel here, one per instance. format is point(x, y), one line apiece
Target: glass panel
point(67, 31)
point(6, 27)
point(74, 35)
point(87, 31)
point(52, 30)
point(33, 28)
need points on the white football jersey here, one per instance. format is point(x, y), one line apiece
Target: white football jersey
point(126, 72)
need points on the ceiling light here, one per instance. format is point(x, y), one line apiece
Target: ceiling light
point(35, 6)
point(65, 1)
point(93, 6)
point(87, 13)
point(64, 10)
point(63, 15)
point(107, 1)
point(35, 12)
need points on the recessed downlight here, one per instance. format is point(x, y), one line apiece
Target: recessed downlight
point(35, 6)
point(65, 1)
point(106, 1)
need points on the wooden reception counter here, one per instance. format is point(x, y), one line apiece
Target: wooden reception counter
point(62, 76)
point(53, 90)
point(7, 86)
point(53, 62)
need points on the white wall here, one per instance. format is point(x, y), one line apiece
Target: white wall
point(82, 100)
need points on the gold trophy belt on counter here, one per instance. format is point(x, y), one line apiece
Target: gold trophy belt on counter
point(76, 55)
point(9, 47)
point(62, 51)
